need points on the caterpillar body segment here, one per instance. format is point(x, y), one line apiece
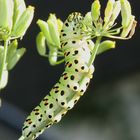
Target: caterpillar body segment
point(72, 83)
point(72, 28)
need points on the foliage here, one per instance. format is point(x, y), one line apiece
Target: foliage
point(15, 20)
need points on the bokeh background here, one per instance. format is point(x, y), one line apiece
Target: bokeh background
point(110, 109)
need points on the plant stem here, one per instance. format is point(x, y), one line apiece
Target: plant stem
point(3, 65)
point(95, 49)
point(92, 58)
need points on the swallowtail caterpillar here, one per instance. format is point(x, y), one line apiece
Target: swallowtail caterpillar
point(73, 40)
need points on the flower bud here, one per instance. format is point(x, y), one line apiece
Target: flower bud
point(19, 8)
point(53, 29)
point(88, 19)
point(116, 12)
point(95, 10)
point(6, 16)
point(16, 57)
point(23, 22)
point(45, 30)
point(126, 12)
point(109, 10)
point(133, 28)
point(53, 56)
point(12, 48)
point(53, 18)
point(106, 45)
point(40, 43)
point(129, 28)
point(60, 25)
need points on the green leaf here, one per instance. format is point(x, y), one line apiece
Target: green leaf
point(106, 45)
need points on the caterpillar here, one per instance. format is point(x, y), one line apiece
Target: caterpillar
point(79, 53)
point(72, 83)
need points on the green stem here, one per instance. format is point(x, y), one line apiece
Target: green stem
point(94, 52)
point(96, 46)
point(3, 65)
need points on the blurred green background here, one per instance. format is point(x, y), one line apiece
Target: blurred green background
point(110, 108)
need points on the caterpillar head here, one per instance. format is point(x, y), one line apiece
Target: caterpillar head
point(72, 27)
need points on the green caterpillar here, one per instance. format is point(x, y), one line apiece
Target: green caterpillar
point(79, 51)
point(72, 84)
